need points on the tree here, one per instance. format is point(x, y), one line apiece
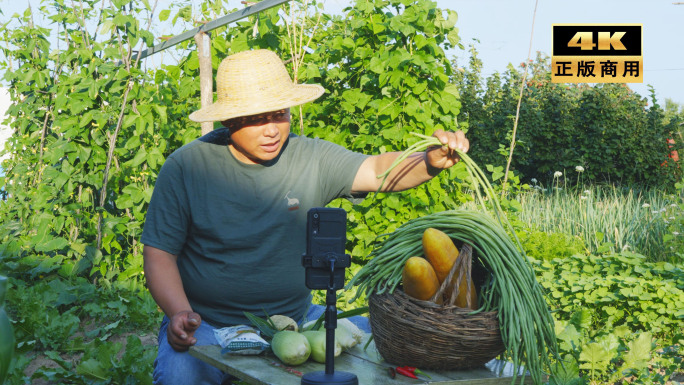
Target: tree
point(607, 129)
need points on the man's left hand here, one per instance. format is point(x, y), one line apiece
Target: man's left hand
point(445, 156)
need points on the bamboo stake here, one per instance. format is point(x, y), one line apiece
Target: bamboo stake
point(203, 41)
point(517, 111)
point(297, 50)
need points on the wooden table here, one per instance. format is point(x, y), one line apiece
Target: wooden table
point(367, 365)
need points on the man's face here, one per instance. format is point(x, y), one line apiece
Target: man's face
point(259, 138)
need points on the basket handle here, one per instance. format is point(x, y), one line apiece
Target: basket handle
point(464, 265)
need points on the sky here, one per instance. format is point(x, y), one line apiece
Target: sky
point(503, 29)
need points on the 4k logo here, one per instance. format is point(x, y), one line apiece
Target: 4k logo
point(606, 41)
point(597, 53)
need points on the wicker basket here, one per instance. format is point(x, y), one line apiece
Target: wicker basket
point(408, 331)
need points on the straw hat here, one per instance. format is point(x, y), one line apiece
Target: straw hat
point(254, 82)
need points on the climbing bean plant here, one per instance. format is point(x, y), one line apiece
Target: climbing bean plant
point(92, 125)
point(90, 128)
point(387, 75)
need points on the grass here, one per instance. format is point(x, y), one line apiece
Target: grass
point(606, 218)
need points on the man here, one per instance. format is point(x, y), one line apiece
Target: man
point(225, 229)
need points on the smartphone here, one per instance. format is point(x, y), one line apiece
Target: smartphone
point(325, 260)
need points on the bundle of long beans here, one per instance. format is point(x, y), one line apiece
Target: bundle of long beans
point(527, 327)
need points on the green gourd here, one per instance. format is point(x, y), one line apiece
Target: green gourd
point(291, 347)
point(317, 340)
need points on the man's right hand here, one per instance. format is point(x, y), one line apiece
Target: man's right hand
point(181, 329)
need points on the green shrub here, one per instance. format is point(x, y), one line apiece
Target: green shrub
point(616, 289)
point(549, 246)
point(617, 135)
point(618, 318)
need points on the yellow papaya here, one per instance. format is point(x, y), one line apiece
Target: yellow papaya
point(462, 297)
point(419, 278)
point(442, 253)
point(440, 250)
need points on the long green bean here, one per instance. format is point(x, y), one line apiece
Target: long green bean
point(527, 327)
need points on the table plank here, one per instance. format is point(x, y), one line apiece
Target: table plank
point(367, 365)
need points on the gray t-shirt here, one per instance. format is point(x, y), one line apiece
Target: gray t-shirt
point(239, 230)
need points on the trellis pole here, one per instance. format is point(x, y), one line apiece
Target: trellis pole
point(210, 26)
point(517, 110)
point(203, 41)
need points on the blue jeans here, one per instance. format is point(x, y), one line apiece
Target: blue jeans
point(180, 368)
point(174, 367)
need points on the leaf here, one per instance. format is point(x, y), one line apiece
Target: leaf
point(134, 191)
point(452, 89)
point(82, 265)
point(353, 312)
point(594, 357)
point(124, 202)
point(161, 112)
point(94, 254)
point(138, 159)
point(581, 319)
point(106, 27)
point(78, 247)
point(565, 372)
point(639, 352)
point(130, 272)
point(345, 314)
point(599, 236)
point(570, 337)
point(378, 65)
point(610, 342)
point(92, 368)
point(148, 37)
point(453, 37)
point(378, 28)
point(497, 172)
point(164, 14)
point(53, 244)
point(267, 328)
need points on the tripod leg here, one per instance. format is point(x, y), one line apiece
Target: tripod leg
point(330, 326)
